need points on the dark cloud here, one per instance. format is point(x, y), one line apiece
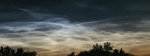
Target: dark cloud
point(120, 27)
point(59, 40)
point(80, 38)
point(76, 10)
point(12, 35)
point(6, 31)
point(48, 27)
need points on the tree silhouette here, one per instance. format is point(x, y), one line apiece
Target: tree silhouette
point(7, 51)
point(102, 50)
point(72, 54)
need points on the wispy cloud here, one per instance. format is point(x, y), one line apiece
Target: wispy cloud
point(55, 31)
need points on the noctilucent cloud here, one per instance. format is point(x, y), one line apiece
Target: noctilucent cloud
point(56, 27)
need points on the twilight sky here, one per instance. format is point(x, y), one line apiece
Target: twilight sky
point(58, 27)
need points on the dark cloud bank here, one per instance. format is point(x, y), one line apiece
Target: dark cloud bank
point(119, 11)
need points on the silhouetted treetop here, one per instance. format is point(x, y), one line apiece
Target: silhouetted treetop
point(102, 50)
point(7, 51)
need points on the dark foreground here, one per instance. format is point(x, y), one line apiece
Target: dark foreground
point(97, 50)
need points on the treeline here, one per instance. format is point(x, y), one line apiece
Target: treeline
point(97, 50)
point(102, 50)
point(7, 51)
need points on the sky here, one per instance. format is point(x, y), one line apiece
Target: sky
point(59, 27)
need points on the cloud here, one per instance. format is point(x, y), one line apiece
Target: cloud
point(74, 27)
point(75, 10)
point(51, 34)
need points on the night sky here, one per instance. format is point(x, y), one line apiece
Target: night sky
point(58, 27)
